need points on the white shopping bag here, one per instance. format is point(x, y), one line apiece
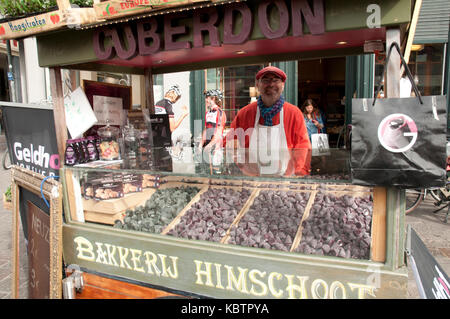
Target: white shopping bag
point(79, 114)
point(319, 143)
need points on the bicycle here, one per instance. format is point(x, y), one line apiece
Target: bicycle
point(440, 195)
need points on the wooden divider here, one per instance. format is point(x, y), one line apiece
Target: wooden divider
point(378, 245)
point(256, 194)
point(197, 198)
point(177, 219)
point(298, 235)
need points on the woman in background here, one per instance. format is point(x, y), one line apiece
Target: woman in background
point(215, 120)
point(313, 119)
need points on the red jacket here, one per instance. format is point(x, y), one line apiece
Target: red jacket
point(295, 129)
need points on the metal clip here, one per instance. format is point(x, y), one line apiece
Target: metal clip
point(74, 283)
point(365, 108)
point(434, 106)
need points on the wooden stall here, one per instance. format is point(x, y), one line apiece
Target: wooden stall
point(158, 260)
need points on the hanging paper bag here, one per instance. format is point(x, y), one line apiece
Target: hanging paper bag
point(399, 141)
point(79, 114)
point(319, 144)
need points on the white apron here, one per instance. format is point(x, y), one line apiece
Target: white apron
point(268, 147)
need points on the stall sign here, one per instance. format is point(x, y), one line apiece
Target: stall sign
point(144, 38)
point(31, 138)
point(214, 270)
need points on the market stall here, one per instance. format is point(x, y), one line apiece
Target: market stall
point(157, 223)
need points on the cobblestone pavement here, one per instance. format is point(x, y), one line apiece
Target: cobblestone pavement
point(6, 275)
point(434, 233)
point(430, 227)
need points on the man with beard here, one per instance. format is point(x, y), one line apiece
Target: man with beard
point(271, 130)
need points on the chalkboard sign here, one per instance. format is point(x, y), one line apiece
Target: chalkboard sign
point(44, 232)
point(38, 252)
point(432, 281)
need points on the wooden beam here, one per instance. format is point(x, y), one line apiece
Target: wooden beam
point(392, 82)
point(15, 241)
point(63, 4)
point(412, 30)
point(58, 111)
point(379, 217)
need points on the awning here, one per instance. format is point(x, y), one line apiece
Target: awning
point(433, 23)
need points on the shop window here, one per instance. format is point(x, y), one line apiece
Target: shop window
point(323, 80)
point(427, 67)
point(237, 84)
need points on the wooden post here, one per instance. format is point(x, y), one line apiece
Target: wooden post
point(15, 242)
point(58, 111)
point(392, 82)
point(412, 29)
point(63, 4)
point(379, 225)
point(379, 218)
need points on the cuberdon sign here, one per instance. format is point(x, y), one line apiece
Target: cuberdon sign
point(145, 37)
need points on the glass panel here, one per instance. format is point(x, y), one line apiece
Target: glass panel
point(237, 84)
point(426, 66)
point(208, 206)
point(171, 186)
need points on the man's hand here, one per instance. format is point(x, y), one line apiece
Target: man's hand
point(185, 110)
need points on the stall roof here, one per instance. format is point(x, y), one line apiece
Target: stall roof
point(347, 27)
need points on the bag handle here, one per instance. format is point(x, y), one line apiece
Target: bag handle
point(408, 73)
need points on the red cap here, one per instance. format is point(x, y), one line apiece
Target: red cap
point(271, 69)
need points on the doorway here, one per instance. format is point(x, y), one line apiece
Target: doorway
point(323, 80)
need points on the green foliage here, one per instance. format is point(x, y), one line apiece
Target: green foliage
point(16, 8)
point(8, 194)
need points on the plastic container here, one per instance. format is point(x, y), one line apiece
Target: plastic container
point(130, 141)
point(71, 154)
point(109, 148)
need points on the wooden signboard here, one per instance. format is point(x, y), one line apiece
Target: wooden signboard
point(38, 252)
point(431, 279)
point(93, 88)
point(43, 230)
point(49, 21)
point(110, 100)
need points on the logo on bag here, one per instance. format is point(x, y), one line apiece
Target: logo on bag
point(397, 133)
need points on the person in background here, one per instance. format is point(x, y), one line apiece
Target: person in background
point(313, 119)
point(165, 106)
point(272, 126)
point(215, 120)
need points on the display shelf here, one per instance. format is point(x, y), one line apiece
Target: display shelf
point(109, 211)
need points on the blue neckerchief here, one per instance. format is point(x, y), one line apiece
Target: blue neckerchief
point(268, 113)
